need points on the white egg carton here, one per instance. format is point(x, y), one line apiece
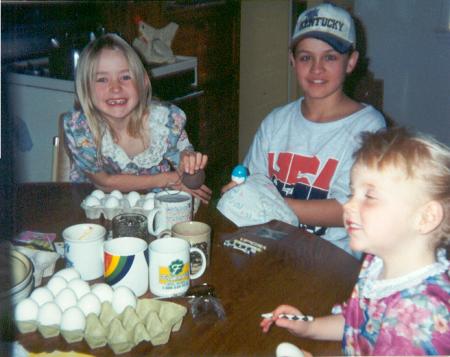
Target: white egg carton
point(114, 203)
point(100, 315)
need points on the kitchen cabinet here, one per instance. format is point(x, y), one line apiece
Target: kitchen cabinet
point(208, 31)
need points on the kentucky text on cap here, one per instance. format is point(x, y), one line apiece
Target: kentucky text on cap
point(329, 23)
point(322, 22)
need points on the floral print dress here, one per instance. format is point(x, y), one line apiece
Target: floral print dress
point(167, 139)
point(409, 315)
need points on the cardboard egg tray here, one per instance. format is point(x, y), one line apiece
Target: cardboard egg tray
point(151, 320)
point(94, 212)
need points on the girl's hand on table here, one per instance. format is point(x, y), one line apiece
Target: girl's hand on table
point(203, 193)
point(297, 327)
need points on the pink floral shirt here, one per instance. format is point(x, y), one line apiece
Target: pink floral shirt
point(409, 315)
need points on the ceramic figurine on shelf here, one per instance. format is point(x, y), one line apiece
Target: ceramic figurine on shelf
point(239, 174)
point(155, 44)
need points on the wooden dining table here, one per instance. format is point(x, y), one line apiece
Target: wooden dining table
point(298, 269)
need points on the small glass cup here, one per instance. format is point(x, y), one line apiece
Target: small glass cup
point(130, 225)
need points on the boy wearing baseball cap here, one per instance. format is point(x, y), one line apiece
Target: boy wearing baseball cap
point(306, 146)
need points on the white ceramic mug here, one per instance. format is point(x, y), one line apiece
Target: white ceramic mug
point(126, 263)
point(198, 234)
point(170, 207)
point(83, 249)
point(170, 266)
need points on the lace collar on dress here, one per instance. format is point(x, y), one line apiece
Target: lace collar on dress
point(156, 124)
point(376, 289)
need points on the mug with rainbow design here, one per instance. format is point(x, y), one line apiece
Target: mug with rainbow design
point(126, 263)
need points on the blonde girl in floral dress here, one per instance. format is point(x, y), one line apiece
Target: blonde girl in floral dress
point(120, 139)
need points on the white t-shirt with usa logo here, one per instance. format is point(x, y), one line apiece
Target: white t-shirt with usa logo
point(310, 160)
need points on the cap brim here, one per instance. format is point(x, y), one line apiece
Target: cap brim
point(338, 44)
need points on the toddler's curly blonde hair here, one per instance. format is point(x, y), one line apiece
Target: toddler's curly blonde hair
point(419, 157)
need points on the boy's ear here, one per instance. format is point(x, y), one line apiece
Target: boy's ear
point(291, 59)
point(352, 61)
point(430, 217)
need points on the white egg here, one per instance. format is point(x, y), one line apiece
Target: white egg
point(89, 304)
point(92, 201)
point(149, 204)
point(80, 287)
point(49, 314)
point(99, 194)
point(112, 202)
point(133, 197)
point(68, 274)
point(122, 298)
point(286, 349)
point(103, 291)
point(150, 195)
point(42, 295)
point(26, 310)
point(73, 319)
point(117, 194)
point(56, 284)
point(66, 298)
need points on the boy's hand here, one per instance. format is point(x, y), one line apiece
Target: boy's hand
point(298, 327)
point(228, 186)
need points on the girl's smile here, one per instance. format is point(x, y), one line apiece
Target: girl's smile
point(352, 227)
point(116, 101)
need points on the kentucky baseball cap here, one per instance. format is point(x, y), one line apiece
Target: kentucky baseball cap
point(329, 23)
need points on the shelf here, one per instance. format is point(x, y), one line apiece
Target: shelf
point(182, 63)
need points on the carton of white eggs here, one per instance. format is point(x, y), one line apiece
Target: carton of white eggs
point(99, 314)
point(116, 202)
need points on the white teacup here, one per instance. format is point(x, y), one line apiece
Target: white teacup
point(126, 263)
point(170, 266)
point(83, 249)
point(171, 207)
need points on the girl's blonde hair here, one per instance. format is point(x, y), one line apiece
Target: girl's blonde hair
point(419, 157)
point(85, 75)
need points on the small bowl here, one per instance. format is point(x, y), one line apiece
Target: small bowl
point(21, 277)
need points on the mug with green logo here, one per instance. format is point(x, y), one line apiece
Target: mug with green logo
point(170, 269)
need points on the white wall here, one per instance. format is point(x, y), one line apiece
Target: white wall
point(409, 51)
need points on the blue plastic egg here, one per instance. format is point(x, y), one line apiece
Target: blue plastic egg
point(239, 174)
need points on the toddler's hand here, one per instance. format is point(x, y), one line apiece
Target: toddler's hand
point(295, 327)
